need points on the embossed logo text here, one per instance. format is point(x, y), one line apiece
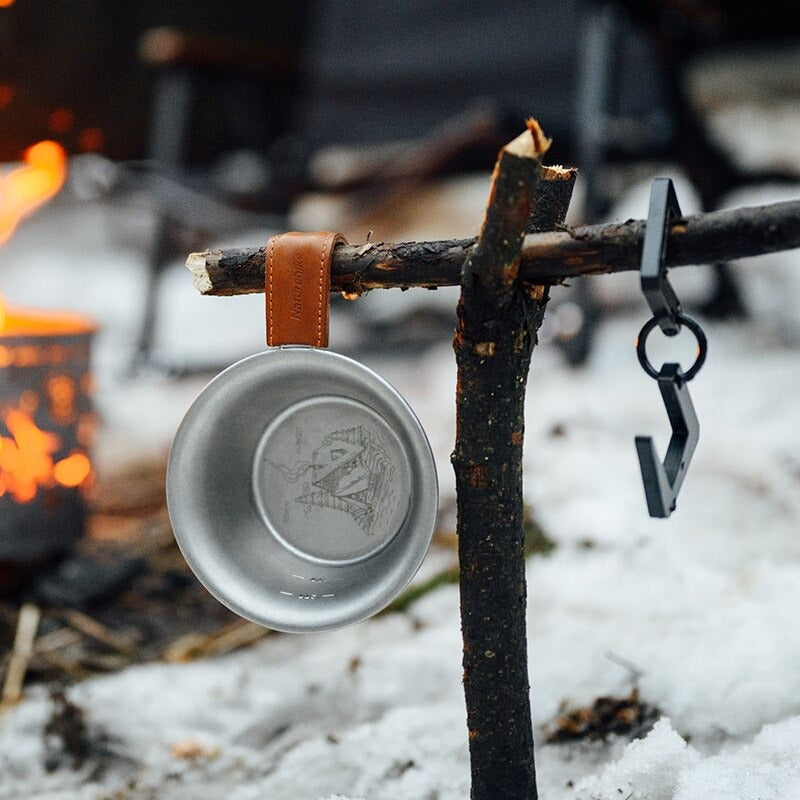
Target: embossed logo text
point(296, 294)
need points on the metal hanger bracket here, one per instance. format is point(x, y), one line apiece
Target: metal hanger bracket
point(662, 480)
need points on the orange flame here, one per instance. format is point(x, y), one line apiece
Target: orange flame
point(17, 321)
point(25, 188)
point(26, 459)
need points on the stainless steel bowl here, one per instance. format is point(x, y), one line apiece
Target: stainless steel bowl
point(302, 490)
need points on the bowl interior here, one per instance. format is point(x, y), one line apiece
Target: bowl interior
point(302, 490)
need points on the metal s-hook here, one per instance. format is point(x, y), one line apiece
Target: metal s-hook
point(662, 481)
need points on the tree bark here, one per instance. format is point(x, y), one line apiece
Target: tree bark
point(498, 319)
point(547, 258)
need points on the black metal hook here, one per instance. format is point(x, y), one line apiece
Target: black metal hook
point(662, 481)
point(657, 290)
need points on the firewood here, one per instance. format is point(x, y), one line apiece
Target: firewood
point(95, 630)
point(193, 646)
point(171, 47)
point(55, 640)
point(68, 666)
point(21, 653)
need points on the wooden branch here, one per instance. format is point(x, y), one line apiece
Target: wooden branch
point(423, 160)
point(497, 323)
point(90, 627)
point(341, 168)
point(21, 653)
point(547, 258)
point(171, 47)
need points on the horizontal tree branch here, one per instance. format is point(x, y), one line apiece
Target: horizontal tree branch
point(547, 258)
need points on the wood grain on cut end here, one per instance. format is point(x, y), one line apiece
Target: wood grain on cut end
point(196, 263)
point(556, 172)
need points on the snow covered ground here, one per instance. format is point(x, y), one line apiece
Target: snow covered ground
point(703, 606)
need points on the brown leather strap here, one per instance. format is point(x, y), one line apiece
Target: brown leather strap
point(298, 271)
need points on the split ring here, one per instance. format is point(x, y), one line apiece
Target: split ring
point(681, 319)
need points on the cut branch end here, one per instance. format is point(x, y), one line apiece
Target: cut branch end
point(197, 264)
point(531, 143)
point(541, 143)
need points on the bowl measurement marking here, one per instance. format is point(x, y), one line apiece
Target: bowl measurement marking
point(307, 596)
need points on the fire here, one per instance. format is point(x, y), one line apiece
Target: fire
point(26, 458)
point(28, 455)
point(17, 321)
point(72, 470)
point(25, 188)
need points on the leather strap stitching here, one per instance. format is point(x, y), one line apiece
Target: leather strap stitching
point(269, 288)
point(325, 246)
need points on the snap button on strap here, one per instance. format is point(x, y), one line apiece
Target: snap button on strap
point(298, 287)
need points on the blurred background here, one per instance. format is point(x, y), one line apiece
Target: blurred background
point(132, 134)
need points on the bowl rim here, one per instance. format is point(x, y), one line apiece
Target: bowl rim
point(182, 493)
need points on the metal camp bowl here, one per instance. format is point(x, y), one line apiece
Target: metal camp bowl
point(302, 490)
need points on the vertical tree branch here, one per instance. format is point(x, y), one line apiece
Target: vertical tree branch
point(498, 318)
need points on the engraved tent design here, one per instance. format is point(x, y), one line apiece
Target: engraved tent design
point(350, 472)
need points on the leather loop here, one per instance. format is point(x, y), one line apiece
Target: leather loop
point(298, 287)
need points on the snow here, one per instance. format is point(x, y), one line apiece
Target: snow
point(664, 767)
point(703, 605)
point(767, 768)
point(648, 769)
